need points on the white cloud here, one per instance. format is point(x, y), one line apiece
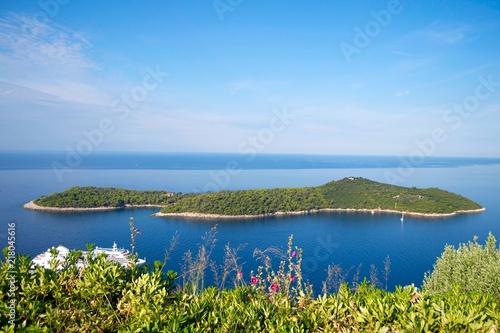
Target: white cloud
point(408, 66)
point(69, 90)
point(467, 72)
point(241, 85)
point(448, 37)
point(18, 93)
point(356, 85)
point(493, 109)
point(404, 54)
point(44, 58)
point(444, 34)
point(34, 43)
point(402, 93)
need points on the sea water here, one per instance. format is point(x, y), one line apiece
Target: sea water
point(348, 239)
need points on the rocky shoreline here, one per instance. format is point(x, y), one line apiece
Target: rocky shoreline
point(31, 205)
point(384, 211)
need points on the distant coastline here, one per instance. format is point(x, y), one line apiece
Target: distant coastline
point(314, 211)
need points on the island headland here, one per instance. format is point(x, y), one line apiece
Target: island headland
point(352, 194)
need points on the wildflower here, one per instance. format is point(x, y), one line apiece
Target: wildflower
point(239, 275)
point(274, 287)
point(294, 253)
point(254, 280)
point(292, 278)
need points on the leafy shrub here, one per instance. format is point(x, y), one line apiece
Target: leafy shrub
point(473, 267)
point(105, 297)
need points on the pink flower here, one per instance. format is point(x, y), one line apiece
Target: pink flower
point(292, 277)
point(294, 253)
point(274, 287)
point(254, 280)
point(239, 275)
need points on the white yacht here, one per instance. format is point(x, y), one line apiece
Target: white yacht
point(116, 254)
point(43, 259)
point(119, 255)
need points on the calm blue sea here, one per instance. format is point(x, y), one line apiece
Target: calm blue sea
point(348, 239)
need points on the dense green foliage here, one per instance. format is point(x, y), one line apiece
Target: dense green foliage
point(353, 193)
point(249, 202)
point(92, 197)
point(105, 297)
point(473, 267)
point(348, 193)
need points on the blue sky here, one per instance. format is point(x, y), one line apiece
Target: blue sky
point(327, 77)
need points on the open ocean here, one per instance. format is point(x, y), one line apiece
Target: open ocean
point(348, 239)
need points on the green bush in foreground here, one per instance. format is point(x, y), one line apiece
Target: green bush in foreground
point(473, 267)
point(105, 297)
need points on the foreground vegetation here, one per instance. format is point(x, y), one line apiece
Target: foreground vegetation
point(348, 193)
point(474, 267)
point(104, 297)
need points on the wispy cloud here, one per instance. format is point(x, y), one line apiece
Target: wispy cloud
point(242, 85)
point(410, 65)
point(470, 71)
point(493, 109)
point(195, 129)
point(18, 93)
point(356, 85)
point(404, 54)
point(402, 93)
point(46, 59)
point(442, 33)
point(34, 43)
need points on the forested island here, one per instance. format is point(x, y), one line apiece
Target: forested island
point(90, 198)
point(352, 193)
